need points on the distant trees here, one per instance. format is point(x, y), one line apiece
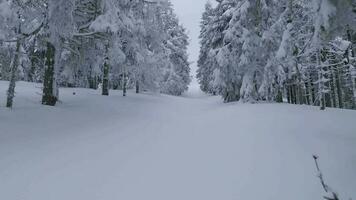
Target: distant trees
point(294, 50)
point(118, 44)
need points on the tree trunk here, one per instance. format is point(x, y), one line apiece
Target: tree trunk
point(50, 97)
point(293, 92)
point(13, 77)
point(299, 92)
point(312, 91)
point(137, 87)
point(351, 90)
point(338, 88)
point(279, 98)
point(289, 92)
point(321, 83)
point(105, 86)
point(351, 52)
point(308, 99)
point(334, 88)
point(124, 89)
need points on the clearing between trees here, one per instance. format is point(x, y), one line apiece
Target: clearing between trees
point(157, 147)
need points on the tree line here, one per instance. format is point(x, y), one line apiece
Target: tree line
point(295, 51)
point(106, 44)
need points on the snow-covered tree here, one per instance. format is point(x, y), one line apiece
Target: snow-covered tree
point(276, 50)
point(206, 66)
point(19, 23)
point(176, 76)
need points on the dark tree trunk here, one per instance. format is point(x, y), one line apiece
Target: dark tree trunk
point(279, 98)
point(137, 87)
point(312, 91)
point(232, 93)
point(13, 77)
point(124, 89)
point(293, 93)
point(105, 86)
point(289, 92)
point(95, 83)
point(322, 103)
point(49, 97)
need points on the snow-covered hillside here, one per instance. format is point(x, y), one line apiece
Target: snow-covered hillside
point(157, 147)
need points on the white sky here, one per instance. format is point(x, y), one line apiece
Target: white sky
point(189, 13)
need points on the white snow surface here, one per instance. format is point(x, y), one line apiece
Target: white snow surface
point(157, 147)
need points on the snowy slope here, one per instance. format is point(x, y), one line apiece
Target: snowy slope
point(157, 147)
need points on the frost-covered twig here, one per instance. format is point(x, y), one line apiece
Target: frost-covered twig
point(326, 188)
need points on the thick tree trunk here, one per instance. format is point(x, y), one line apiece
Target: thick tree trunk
point(93, 82)
point(289, 92)
point(105, 86)
point(50, 97)
point(279, 98)
point(232, 93)
point(137, 87)
point(322, 102)
point(13, 77)
point(293, 93)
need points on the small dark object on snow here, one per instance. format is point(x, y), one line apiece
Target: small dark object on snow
point(74, 93)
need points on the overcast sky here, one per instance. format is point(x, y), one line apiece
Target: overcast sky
point(189, 13)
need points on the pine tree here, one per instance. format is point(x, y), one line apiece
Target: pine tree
point(177, 76)
point(205, 72)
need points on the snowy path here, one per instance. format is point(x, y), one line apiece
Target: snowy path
point(157, 147)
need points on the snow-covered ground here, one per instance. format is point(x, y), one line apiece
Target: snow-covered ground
point(157, 147)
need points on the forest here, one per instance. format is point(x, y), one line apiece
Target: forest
point(105, 44)
point(177, 99)
point(295, 51)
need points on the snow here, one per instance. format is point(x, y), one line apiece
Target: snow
point(281, 53)
point(194, 90)
point(5, 13)
point(5, 9)
point(158, 147)
point(327, 10)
